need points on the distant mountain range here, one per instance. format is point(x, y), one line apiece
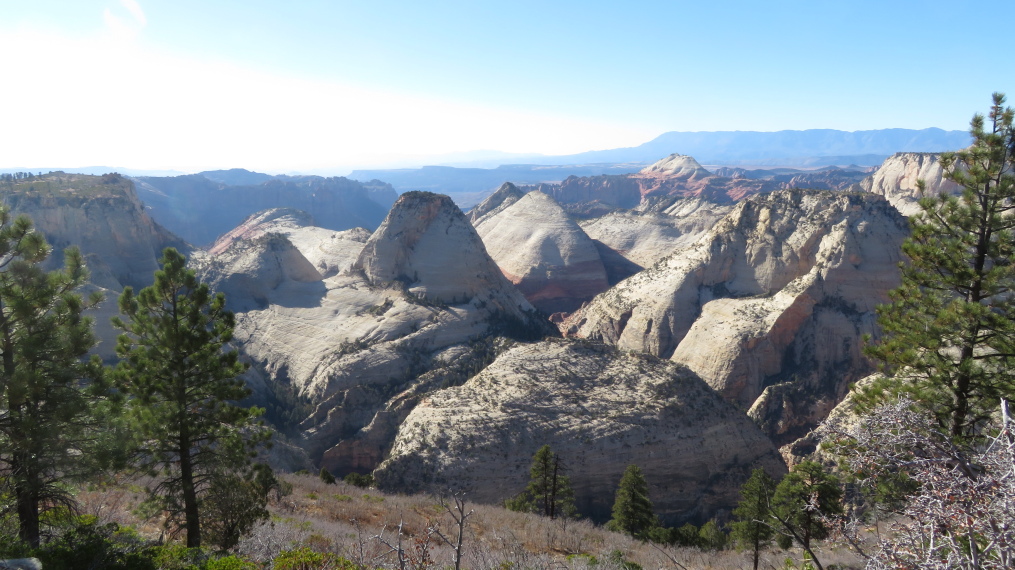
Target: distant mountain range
point(814, 147)
point(799, 149)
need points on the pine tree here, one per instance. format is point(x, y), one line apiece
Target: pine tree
point(949, 332)
point(182, 385)
point(549, 491)
point(632, 509)
point(49, 423)
point(801, 500)
point(751, 528)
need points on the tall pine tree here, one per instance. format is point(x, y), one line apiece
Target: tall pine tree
point(949, 332)
point(183, 386)
point(49, 422)
point(800, 504)
point(632, 509)
point(549, 491)
point(752, 527)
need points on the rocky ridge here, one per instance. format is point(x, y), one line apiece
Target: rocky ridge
point(769, 306)
point(600, 410)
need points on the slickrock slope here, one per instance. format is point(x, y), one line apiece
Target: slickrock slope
point(543, 252)
point(102, 216)
point(896, 179)
point(645, 235)
point(600, 410)
point(363, 345)
point(331, 252)
point(769, 306)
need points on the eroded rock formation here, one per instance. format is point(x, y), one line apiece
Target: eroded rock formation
point(769, 306)
point(364, 345)
point(896, 179)
point(600, 410)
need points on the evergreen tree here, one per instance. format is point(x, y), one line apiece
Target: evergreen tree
point(183, 386)
point(949, 332)
point(712, 537)
point(549, 491)
point(632, 509)
point(751, 528)
point(800, 501)
point(49, 422)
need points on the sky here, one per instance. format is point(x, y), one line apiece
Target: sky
point(327, 86)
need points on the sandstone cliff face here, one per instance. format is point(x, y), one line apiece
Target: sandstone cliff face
point(544, 253)
point(600, 411)
point(100, 215)
point(769, 307)
point(896, 179)
point(364, 344)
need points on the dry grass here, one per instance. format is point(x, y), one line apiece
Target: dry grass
point(356, 523)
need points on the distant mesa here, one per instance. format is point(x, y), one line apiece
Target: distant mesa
point(200, 209)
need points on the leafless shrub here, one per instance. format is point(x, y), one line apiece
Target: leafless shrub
point(962, 514)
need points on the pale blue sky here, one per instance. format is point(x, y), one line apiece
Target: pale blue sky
point(278, 86)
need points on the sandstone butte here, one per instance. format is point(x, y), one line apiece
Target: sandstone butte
point(541, 250)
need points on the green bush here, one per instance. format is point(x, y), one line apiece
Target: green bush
point(306, 559)
point(90, 545)
point(230, 563)
point(359, 480)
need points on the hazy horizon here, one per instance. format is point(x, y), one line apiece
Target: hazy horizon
point(331, 86)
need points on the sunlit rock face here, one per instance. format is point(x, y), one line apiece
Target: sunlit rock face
point(362, 346)
point(896, 179)
point(769, 306)
point(543, 252)
point(600, 410)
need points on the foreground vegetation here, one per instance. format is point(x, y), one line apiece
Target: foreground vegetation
point(322, 526)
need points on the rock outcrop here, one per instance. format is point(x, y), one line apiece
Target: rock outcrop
point(102, 216)
point(769, 306)
point(543, 252)
point(363, 345)
point(896, 180)
point(600, 411)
